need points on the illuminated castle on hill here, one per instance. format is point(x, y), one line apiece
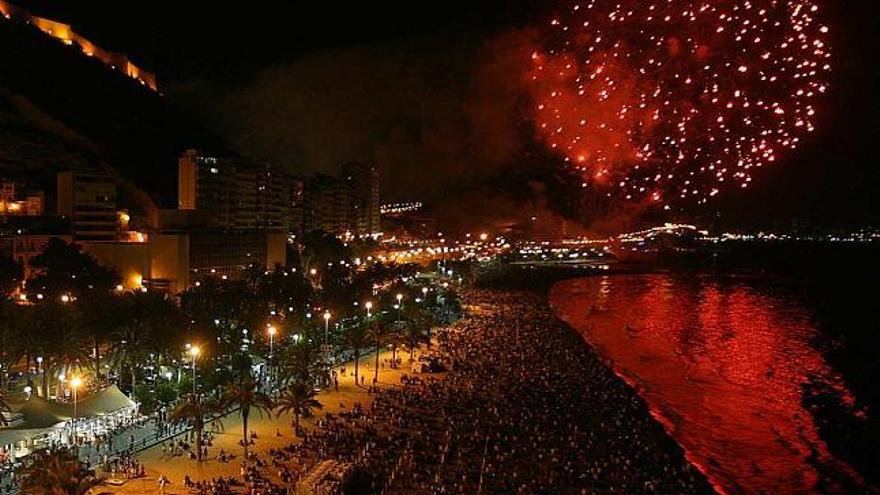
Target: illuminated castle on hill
point(66, 34)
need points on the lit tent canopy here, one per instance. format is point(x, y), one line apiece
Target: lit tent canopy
point(37, 418)
point(40, 413)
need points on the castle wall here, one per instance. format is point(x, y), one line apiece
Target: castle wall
point(65, 33)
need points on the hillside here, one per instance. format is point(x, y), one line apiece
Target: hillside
point(60, 108)
point(32, 143)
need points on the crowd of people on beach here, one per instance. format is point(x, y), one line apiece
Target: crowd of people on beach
point(527, 408)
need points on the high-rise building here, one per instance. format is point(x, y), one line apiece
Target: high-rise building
point(363, 183)
point(271, 203)
point(346, 205)
point(231, 214)
point(207, 184)
point(245, 210)
point(88, 200)
point(231, 194)
point(546, 227)
point(294, 197)
point(324, 204)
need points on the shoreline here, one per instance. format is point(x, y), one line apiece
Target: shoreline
point(620, 395)
point(663, 432)
point(664, 423)
point(716, 445)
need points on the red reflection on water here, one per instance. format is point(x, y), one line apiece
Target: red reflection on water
point(723, 365)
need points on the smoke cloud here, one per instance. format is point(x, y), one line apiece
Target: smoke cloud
point(446, 123)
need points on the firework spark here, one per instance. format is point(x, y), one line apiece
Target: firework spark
point(672, 101)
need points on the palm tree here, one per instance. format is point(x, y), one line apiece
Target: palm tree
point(303, 361)
point(166, 338)
point(4, 406)
point(414, 337)
point(148, 317)
point(202, 305)
point(60, 341)
point(11, 329)
point(298, 398)
point(378, 332)
point(99, 316)
point(130, 346)
point(56, 472)
point(28, 336)
point(192, 411)
point(395, 338)
point(247, 396)
point(357, 339)
point(422, 321)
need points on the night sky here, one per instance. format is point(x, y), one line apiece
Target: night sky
point(428, 92)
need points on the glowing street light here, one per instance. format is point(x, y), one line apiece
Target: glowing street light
point(272, 331)
point(194, 352)
point(369, 306)
point(75, 382)
point(326, 325)
point(399, 304)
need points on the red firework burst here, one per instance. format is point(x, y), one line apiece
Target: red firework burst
point(672, 100)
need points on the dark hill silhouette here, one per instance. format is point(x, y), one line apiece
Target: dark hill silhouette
point(59, 108)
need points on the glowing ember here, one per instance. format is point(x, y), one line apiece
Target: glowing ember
point(672, 101)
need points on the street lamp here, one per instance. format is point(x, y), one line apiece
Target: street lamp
point(194, 351)
point(425, 293)
point(75, 382)
point(272, 330)
point(326, 325)
point(369, 306)
point(399, 304)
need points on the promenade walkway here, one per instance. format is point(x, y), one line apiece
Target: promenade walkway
point(272, 433)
